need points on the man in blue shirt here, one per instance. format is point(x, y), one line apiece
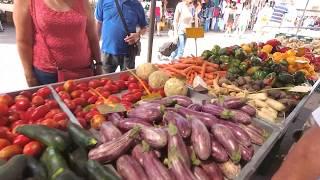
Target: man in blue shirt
point(115, 39)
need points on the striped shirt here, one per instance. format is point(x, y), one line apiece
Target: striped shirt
point(278, 13)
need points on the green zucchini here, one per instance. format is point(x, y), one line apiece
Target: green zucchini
point(99, 172)
point(48, 136)
point(14, 168)
point(67, 175)
point(54, 162)
point(36, 169)
point(78, 161)
point(80, 136)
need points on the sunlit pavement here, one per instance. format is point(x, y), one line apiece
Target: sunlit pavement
point(11, 72)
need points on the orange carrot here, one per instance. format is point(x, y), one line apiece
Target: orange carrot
point(179, 72)
point(209, 82)
point(203, 69)
point(209, 75)
point(213, 65)
point(180, 66)
point(210, 69)
point(194, 68)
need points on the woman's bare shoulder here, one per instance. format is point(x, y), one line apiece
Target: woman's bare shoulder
point(21, 4)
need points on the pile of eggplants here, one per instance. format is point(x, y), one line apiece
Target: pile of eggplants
point(173, 138)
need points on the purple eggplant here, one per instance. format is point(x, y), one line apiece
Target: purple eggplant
point(129, 123)
point(241, 135)
point(111, 150)
point(230, 170)
point(180, 169)
point(255, 137)
point(115, 118)
point(137, 153)
point(130, 169)
point(225, 137)
point(154, 168)
point(206, 118)
point(195, 107)
point(183, 125)
point(240, 117)
point(234, 103)
point(96, 134)
point(148, 115)
point(218, 153)
point(216, 110)
point(200, 174)
point(109, 132)
point(176, 145)
point(258, 130)
point(178, 99)
point(200, 138)
point(212, 170)
point(151, 105)
point(155, 137)
point(246, 152)
point(249, 110)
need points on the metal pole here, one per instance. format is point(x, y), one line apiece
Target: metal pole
point(300, 22)
point(151, 29)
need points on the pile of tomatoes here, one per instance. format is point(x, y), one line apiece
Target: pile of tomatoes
point(82, 97)
point(27, 108)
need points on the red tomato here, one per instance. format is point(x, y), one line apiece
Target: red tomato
point(60, 116)
point(76, 93)
point(100, 89)
point(133, 86)
point(126, 104)
point(104, 80)
point(59, 89)
point(64, 95)
point(80, 114)
point(108, 87)
point(33, 148)
point(105, 94)
point(50, 123)
point(44, 92)
point(18, 123)
point(124, 76)
point(26, 94)
point(94, 83)
point(82, 86)
point(4, 143)
point(77, 109)
point(21, 140)
point(52, 104)
point(4, 109)
point(39, 112)
point(37, 100)
point(126, 83)
point(120, 84)
point(132, 79)
point(21, 97)
point(63, 124)
point(10, 151)
point(114, 99)
point(135, 90)
point(14, 116)
point(138, 95)
point(70, 104)
point(83, 122)
point(52, 112)
point(79, 101)
point(6, 99)
point(86, 95)
point(22, 104)
point(92, 99)
point(69, 85)
point(3, 121)
point(114, 89)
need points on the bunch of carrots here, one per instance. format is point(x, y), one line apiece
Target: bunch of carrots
point(190, 67)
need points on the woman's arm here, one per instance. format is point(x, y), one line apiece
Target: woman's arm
point(91, 32)
point(24, 37)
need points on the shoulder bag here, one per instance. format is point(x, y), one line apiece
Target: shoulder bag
point(62, 72)
point(134, 49)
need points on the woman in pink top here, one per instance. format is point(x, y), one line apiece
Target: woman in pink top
point(56, 39)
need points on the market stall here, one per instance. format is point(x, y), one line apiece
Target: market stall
point(206, 117)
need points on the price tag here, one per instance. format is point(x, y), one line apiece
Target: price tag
point(194, 32)
point(108, 108)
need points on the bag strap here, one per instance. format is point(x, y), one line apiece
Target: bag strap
point(41, 33)
point(122, 17)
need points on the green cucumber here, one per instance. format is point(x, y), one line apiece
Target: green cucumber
point(14, 168)
point(78, 161)
point(54, 162)
point(36, 169)
point(48, 136)
point(81, 137)
point(99, 172)
point(67, 175)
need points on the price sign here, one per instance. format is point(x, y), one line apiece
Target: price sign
point(194, 32)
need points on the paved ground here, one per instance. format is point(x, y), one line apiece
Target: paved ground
point(11, 72)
